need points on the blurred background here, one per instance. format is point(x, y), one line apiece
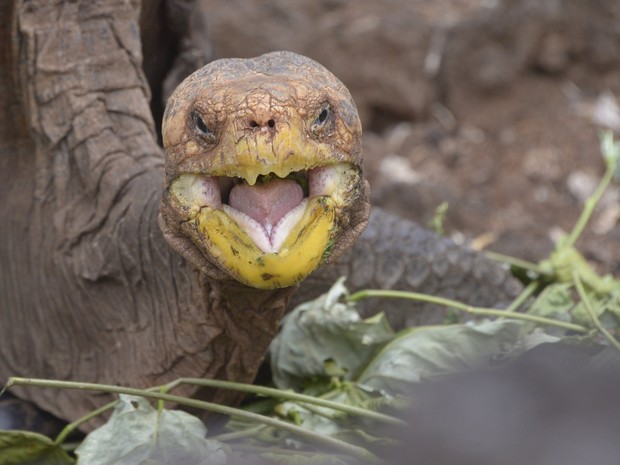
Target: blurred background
point(493, 106)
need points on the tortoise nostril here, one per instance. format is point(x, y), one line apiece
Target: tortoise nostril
point(261, 123)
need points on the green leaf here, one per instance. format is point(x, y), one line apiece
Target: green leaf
point(138, 434)
point(581, 315)
point(419, 353)
point(318, 419)
point(325, 337)
point(605, 307)
point(26, 448)
point(555, 301)
point(333, 422)
point(613, 304)
point(566, 260)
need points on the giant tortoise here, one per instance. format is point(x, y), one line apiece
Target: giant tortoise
point(128, 263)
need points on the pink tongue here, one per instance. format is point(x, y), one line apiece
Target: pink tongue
point(266, 203)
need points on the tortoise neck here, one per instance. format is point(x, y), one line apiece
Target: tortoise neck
point(252, 315)
point(247, 320)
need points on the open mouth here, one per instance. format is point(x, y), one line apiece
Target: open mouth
point(268, 210)
point(274, 225)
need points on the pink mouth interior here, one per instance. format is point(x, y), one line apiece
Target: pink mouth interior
point(267, 211)
point(266, 203)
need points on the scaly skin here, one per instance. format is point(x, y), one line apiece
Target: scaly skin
point(92, 289)
point(261, 117)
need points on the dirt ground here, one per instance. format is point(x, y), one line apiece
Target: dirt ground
point(492, 106)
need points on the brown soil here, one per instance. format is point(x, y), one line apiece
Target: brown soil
point(492, 106)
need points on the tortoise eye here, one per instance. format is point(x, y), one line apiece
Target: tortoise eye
point(322, 116)
point(202, 128)
point(321, 119)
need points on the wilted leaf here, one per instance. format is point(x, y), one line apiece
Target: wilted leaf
point(137, 434)
point(536, 337)
point(317, 419)
point(555, 301)
point(581, 315)
point(27, 448)
point(418, 353)
point(613, 303)
point(324, 337)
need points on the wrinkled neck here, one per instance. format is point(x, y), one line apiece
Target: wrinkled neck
point(248, 319)
point(240, 298)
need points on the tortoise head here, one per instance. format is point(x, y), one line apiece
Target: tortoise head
point(263, 177)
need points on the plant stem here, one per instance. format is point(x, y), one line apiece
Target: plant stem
point(329, 416)
point(320, 439)
point(521, 298)
point(590, 205)
point(246, 433)
point(491, 312)
point(513, 261)
point(67, 430)
point(588, 304)
point(69, 446)
point(287, 395)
